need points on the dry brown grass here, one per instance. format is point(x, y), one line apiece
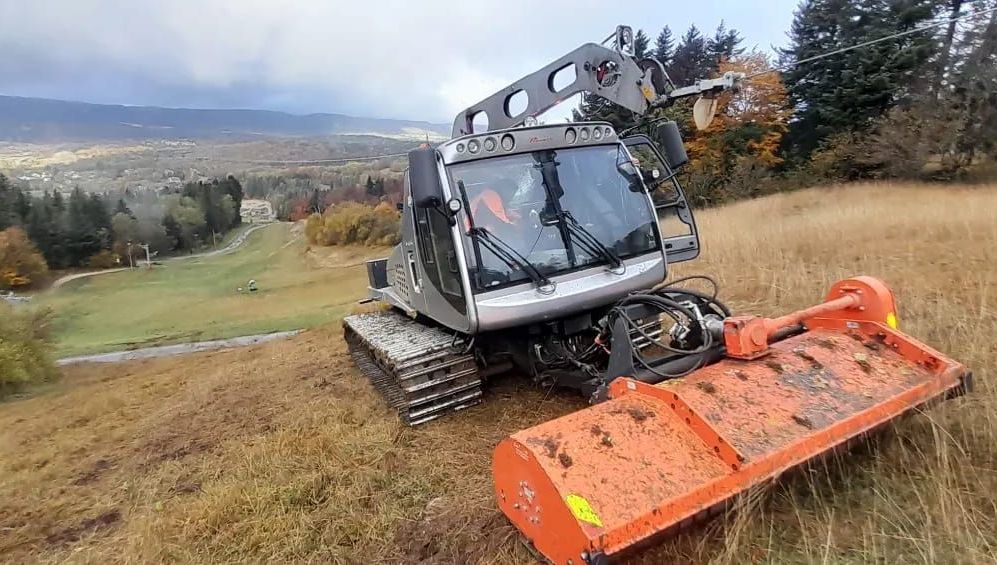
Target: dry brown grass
point(283, 453)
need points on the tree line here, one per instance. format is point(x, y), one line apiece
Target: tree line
point(101, 230)
point(922, 105)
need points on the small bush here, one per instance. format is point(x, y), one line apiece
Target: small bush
point(104, 260)
point(355, 223)
point(21, 264)
point(24, 349)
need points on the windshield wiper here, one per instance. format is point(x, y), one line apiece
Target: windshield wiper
point(589, 242)
point(570, 229)
point(512, 258)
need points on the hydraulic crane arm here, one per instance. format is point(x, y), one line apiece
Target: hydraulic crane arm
point(613, 74)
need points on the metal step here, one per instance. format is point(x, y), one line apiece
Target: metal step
point(422, 371)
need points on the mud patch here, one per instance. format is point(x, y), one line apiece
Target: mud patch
point(86, 527)
point(802, 354)
point(94, 473)
point(550, 447)
point(442, 535)
point(639, 414)
point(708, 388)
point(185, 488)
point(565, 460)
point(863, 362)
point(775, 366)
point(803, 421)
point(827, 343)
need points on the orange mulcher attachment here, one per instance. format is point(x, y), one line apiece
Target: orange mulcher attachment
point(655, 458)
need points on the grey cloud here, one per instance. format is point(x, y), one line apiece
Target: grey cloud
point(388, 58)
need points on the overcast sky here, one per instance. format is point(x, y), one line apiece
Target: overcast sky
point(376, 58)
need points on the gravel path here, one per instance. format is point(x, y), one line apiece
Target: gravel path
point(232, 246)
point(178, 349)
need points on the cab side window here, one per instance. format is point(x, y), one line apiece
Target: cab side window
point(439, 256)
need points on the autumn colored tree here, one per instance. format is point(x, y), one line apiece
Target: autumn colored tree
point(20, 262)
point(741, 145)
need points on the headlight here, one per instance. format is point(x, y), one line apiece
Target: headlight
point(570, 136)
point(584, 134)
point(473, 146)
point(508, 142)
point(597, 134)
point(490, 144)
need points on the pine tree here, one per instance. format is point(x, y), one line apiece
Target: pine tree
point(122, 208)
point(233, 188)
point(848, 91)
point(640, 45)
point(723, 46)
point(315, 203)
point(174, 232)
point(664, 47)
point(6, 204)
point(691, 60)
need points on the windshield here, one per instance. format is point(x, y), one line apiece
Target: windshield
point(524, 200)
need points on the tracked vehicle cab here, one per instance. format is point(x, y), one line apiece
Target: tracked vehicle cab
point(530, 224)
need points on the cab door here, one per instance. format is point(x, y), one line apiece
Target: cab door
point(678, 226)
point(440, 269)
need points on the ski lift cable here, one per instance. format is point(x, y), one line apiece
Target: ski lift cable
point(872, 42)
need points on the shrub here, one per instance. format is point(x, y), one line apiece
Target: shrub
point(355, 223)
point(24, 351)
point(104, 260)
point(20, 262)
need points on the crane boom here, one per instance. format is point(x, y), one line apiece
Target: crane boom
point(612, 74)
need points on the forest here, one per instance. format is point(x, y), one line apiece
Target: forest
point(107, 230)
point(922, 105)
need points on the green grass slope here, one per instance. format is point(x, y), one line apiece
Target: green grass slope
point(198, 299)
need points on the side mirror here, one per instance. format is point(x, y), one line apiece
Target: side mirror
point(427, 192)
point(626, 168)
point(670, 141)
point(651, 177)
point(453, 207)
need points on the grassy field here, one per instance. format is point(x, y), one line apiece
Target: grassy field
point(197, 299)
point(282, 452)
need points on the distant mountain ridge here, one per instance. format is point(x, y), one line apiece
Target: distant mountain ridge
point(40, 120)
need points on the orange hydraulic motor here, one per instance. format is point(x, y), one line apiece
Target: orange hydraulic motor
point(655, 458)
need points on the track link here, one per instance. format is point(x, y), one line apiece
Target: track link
point(415, 367)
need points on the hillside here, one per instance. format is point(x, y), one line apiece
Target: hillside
point(38, 120)
point(283, 452)
point(141, 307)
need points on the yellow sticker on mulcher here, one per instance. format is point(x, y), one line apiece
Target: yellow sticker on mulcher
point(582, 509)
